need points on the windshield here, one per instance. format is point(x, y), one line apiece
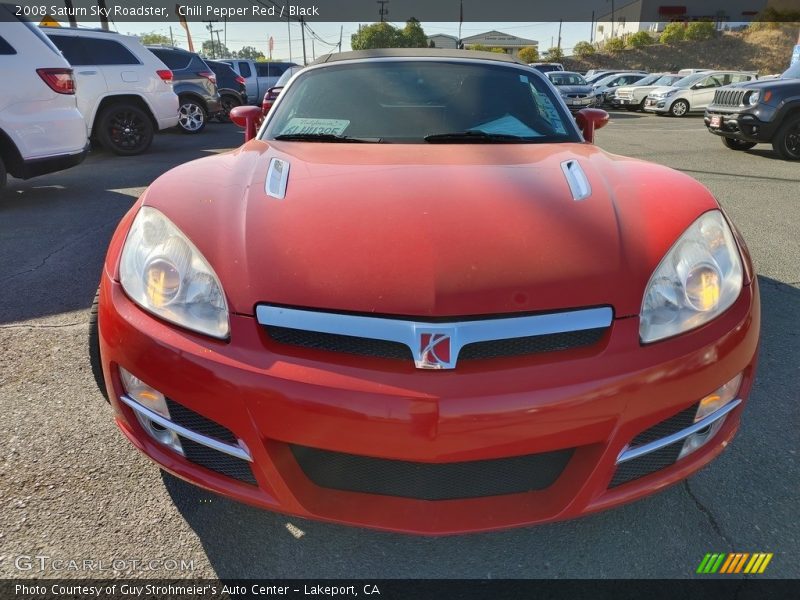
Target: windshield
point(792, 72)
point(650, 79)
point(413, 101)
point(566, 78)
point(667, 80)
point(689, 80)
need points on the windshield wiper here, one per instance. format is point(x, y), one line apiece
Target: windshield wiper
point(478, 137)
point(325, 137)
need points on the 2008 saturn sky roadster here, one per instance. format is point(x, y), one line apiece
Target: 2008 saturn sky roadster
point(421, 300)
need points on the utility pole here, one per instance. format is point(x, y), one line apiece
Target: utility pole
point(303, 34)
point(103, 12)
point(73, 22)
point(341, 31)
point(289, 28)
point(171, 37)
point(591, 31)
point(383, 11)
point(219, 43)
point(560, 22)
point(313, 51)
point(612, 18)
point(210, 27)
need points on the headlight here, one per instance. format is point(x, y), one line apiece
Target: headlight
point(163, 272)
point(753, 98)
point(698, 279)
point(670, 93)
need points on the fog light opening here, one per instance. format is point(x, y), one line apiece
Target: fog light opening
point(143, 394)
point(161, 434)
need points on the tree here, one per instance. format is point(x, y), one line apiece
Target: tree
point(155, 39)
point(413, 35)
point(674, 32)
point(251, 53)
point(700, 30)
point(554, 54)
point(614, 46)
point(215, 50)
point(377, 35)
point(529, 54)
point(639, 39)
point(478, 47)
point(583, 49)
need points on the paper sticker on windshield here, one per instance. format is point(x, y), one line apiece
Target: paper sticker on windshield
point(303, 125)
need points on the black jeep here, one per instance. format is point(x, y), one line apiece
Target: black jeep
point(757, 112)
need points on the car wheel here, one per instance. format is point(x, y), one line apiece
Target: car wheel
point(192, 116)
point(227, 104)
point(94, 347)
point(125, 129)
point(679, 108)
point(735, 144)
point(787, 141)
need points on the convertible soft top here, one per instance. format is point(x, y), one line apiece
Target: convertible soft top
point(414, 53)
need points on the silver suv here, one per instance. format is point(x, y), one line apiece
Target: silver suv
point(692, 93)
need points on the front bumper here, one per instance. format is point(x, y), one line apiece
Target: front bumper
point(592, 402)
point(738, 125)
point(617, 102)
point(657, 105)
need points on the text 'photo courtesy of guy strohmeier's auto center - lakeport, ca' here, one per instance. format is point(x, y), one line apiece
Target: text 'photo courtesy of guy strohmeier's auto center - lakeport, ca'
point(399, 299)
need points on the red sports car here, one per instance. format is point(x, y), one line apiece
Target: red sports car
point(422, 300)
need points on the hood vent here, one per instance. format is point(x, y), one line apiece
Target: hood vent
point(576, 179)
point(277, 177)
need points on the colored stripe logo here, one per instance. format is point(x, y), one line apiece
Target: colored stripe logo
point(734, 562)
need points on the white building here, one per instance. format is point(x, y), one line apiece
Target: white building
point(511, 44)
point(653, 15)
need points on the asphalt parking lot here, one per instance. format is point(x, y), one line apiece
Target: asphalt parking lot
point(72, 488)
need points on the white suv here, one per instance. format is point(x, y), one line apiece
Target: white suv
point(124, 91)
point(41, 129)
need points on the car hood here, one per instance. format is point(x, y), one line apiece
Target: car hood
point(663, 89)
point(773, 84)
point(575, 89)
point(638, 88)
point(430, 230)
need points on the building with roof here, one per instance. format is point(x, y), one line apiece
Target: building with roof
point(511, 44)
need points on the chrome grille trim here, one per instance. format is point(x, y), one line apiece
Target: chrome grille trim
point(239, 451)
point(410, 333)
point(631, 453)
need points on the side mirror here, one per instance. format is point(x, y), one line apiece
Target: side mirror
point(248, 117)
point(590, 119)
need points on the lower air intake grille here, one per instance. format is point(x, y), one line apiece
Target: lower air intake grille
point(660, 459)
point(184, 417)
point(218, 461)
point(428, 481)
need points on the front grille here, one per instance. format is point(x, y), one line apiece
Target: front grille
point(577, 95)
point(184, 417)
point(660, 459)
point(621, 94)
point(333, 342)
point(220, 462)
point(429, 481)
point(394, 350)
point(732, 97)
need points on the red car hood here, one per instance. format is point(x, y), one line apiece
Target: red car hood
point(430, 230)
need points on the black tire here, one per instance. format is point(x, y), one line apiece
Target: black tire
point(192, 115)
point(679, 108)
point(787, 140)
point(124, 129)
point(94, 348)
point(226, 104)
point(734, 144)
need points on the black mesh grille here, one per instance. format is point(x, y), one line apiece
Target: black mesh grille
point(644, 465)
point(181, 415)
point(660, 459)
point(340, 343)
point(218, 461)
point(395, 350)
point(532, 344)
point(667, 427)
point(426, 481)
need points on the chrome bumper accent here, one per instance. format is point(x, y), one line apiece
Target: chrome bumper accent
point(631, 453)
point(239, 451)
point(410, 333)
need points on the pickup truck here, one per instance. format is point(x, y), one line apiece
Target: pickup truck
point(258, 76)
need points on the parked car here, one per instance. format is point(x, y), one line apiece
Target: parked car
point(272, 93)
point(195, 84)
point(577, 94)
point(604, 88)
point(41, 128)
point(231, 87)
point(603, 73)
point(685, 72)
point(124, 92)
point(632, 97)
point(757, 112)
point(693, 93)
point(546, 67)
point(258, 76)
point(414, 305)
